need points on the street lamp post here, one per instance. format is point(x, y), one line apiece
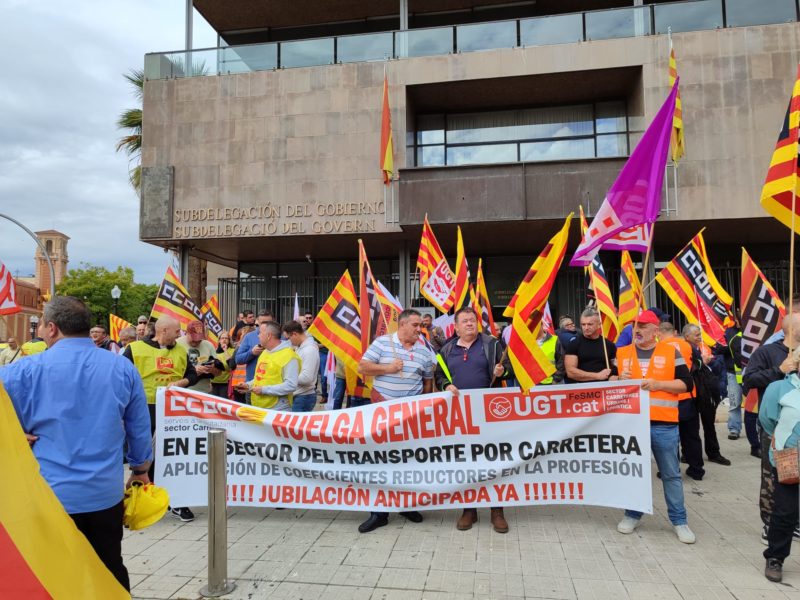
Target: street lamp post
point(34, 325)
point(115, 294)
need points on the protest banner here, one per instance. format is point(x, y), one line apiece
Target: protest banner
point(583, 444)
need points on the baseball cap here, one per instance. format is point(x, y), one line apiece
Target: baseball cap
point(648, 316)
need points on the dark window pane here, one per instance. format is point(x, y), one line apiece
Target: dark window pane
point(762, 12)
point(561, 29)
point(612, 145)
point(557, 150)
point(688, 16)
point(424, 42)
point(477, 155)
point(430, 156)
point(610, 117)
point(624, 22)
point(358, 48)
point(485, 36)
point(430, 129)
point(307, 53)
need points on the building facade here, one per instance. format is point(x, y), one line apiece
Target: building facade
point(262, 155)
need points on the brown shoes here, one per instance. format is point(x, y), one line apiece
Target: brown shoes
point(467, 519)
point(499, 521)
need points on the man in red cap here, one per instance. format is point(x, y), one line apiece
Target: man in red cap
point(666, 376)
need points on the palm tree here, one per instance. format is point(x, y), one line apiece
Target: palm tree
point(131, 120)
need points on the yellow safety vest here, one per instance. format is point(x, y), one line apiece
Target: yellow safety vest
point(31, 348)
point(736, 370)
point(223, 358)
point(549, 349)
point(158, 366)
point(269, 371)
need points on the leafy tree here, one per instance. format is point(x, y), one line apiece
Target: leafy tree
point(131, 121)
point(93, 285)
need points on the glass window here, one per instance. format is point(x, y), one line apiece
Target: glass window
point(430, 156)
point(307, 53)
point(424, 42)
point(557, 150)
point(477, 155)
point(619, 23)
point(244, 59)
point(430, 129)
point(688, 16)
point(358, 48)
point(485, 36)
point(610, 117)
point(763, 12)
point(563, 121)
point(560, 29)
point(612, 145)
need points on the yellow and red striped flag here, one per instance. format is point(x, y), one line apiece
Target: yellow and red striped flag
point(677, 140)
point(694, 289)
point(630, 291)
point(436, 280)
point(211, 319)
point(760, 307)
point(174, 301)
point(387, 146)
point(475, 304)
point(604, 300)
point(43, 553)
point(780, 191)
point(115, 325)
point(337, 325)
point(530, 364)
point(483, 300)
point(461, 286)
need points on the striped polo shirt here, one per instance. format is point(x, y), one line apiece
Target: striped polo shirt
point(418, 364)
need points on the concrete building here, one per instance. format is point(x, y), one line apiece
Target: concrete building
point(262, 154)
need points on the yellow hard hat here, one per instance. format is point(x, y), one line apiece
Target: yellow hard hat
point(144, 505)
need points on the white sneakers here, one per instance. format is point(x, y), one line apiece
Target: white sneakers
point(627, 525)
point(684, 534)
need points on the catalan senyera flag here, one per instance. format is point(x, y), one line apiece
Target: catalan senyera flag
point(373, 321)
point(436, 280)
point(115, 325)
point(338, 325)
point(461, 286)
point(483, 300)
point(174, 301)
point(43, 553)
point(677, 140)
point(8, 293)
point(781, 188)
point(390, 307)
point(211, 319)
point(604, 300)
point(760, 307)
point(547, 320)
point(475, 304)
point(530, 364)
point(631, 301)
point(387, 146)
point(693, 288)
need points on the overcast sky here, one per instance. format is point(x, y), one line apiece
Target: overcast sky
point(61, 92)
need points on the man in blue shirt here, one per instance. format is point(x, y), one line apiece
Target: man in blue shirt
point(77, 405)
point(249, 349)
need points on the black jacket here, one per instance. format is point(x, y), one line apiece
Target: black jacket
point(764, 367)
point(731, 351)
point(492, 348)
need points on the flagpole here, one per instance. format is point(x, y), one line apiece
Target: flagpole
point(603, 337)
point(791, 259)
point(645, 264)
point(380, 306)
point(697, 306)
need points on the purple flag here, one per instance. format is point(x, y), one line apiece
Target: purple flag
point(635, 197)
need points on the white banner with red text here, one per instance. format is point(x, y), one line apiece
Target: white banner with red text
point(583, 444)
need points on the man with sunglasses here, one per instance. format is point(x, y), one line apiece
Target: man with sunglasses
point(470, 361)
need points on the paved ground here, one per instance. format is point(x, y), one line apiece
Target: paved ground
point(557, 552)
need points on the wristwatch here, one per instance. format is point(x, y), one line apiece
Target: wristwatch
point(139, 471)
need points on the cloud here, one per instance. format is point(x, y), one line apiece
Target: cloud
point(61, 95)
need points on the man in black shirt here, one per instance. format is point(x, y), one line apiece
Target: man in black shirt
point(584, 358)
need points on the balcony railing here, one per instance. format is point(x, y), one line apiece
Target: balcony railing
point(692, 15)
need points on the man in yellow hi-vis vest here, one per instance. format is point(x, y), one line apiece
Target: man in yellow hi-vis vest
point(277, 370)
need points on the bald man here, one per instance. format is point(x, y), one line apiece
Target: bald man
point(162, 363)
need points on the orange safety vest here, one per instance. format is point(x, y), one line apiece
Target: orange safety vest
point(685, 349)
point(663, 405)
point(238, 375)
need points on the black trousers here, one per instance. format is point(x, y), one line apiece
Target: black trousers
point(783, 520)
point(103, 529)
point(751, 430)
point(708, 413)
point(692, 447)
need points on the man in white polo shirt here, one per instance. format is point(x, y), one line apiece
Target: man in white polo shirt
point(401, 365)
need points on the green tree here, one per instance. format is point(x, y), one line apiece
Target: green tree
point(131, 121)
point(93, 285)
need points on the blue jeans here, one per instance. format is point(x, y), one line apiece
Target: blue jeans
point(323, 381)
point(338, 393)
point(304, 403)
point(354, 402)
point(735, 410)
point(665, 443)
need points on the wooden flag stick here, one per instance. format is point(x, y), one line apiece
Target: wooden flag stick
point(791, 264)
point(645, 263)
